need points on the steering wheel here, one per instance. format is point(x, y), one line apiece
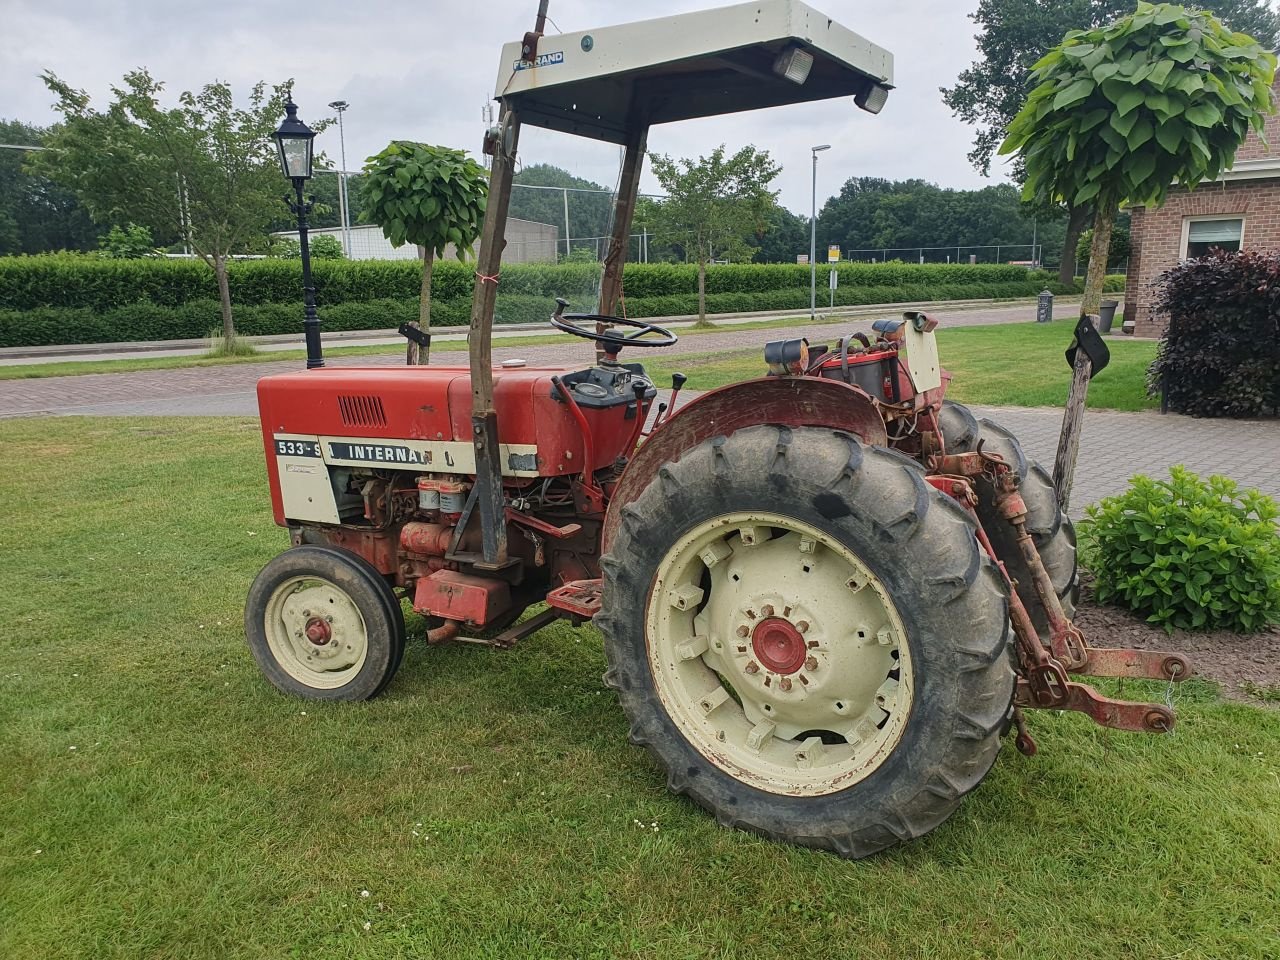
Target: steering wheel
point(613, 340)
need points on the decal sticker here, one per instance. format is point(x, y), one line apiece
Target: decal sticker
point(297, 448)
point(543, 60)
point(378, 453)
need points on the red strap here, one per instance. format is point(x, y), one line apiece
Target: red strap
point(486, 279)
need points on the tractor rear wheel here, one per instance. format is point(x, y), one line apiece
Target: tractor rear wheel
point(1050, 528)
point(323, 624)
point(806, 637)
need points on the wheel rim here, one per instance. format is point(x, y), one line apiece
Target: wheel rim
point(778, 654)
point(315, 632)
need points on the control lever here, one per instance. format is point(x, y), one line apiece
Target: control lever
point(639, 388)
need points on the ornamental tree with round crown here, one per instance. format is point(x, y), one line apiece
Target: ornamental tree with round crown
point(1123, 112)
point(428, 196)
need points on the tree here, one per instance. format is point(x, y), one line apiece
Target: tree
point(590, 205)
point(131, 242)
point(1117, 252)
point(874, 214)
point(1014, 34)
point(428, 196)
point(1121, 112)
point(204, 170)
point(714, 204)
point(784, 235)
point(36, 215)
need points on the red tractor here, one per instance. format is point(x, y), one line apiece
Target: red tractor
point(826, 594)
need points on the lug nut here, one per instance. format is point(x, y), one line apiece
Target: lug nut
point(785, 683)
point(766, 610)
point(811, 663)
point(743, 630)
point(752, 667)
point(802, 626)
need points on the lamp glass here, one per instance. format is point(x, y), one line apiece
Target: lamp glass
point(794, 64)
point(295, 157)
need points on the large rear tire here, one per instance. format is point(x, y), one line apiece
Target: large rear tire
point(323, 624)
point(1050, 528)
point(806, 637)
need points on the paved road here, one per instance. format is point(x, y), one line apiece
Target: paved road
point(196, 391)
point(1114, 446)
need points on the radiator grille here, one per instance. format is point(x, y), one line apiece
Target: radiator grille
point(362, 411)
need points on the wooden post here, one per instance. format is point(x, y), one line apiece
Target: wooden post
point(484, 420)
point(624, 212)
point(1064, 464)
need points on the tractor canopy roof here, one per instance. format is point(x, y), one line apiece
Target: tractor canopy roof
point(602, 83)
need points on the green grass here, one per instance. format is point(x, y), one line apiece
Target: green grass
point(1007, 364)
point(201, 814)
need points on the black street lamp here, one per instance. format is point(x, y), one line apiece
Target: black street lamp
point(294, 141)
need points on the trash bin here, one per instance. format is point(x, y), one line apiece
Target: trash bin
point(1044, 307)
point(1106, 315)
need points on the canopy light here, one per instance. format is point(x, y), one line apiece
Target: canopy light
point(873, 98)
point(794, 64)
point(294, 142)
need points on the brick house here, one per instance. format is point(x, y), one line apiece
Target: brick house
point(1240, 210)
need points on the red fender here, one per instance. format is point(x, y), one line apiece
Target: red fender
point(783, 401)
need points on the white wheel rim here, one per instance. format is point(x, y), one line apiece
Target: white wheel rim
point(726, 607)
point(316, 633)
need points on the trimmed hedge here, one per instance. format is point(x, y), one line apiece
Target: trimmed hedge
point(43, 326)
point(64, 280)
point(1220, 356)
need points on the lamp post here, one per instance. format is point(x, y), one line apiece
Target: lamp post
point(813, 236)
point(344, 206)
point(294, 141)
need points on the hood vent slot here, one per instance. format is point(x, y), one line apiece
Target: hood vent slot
point(362, 411)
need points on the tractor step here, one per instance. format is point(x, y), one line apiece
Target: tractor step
point(579, 599)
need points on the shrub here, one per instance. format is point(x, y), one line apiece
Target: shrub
point(1220, 356)
point(1189, 553)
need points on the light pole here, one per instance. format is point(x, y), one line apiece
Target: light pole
point(343, 207)
point(294, 142)
point(813, 236)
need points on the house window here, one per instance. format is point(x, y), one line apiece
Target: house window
point(1201, 236)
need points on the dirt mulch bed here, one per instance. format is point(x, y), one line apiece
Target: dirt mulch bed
point(1242, 664)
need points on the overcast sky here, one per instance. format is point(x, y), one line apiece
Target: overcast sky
point(423, 70)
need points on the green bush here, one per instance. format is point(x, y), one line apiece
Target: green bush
point(1188, 553)
point(63, 280)
point(1220, 355)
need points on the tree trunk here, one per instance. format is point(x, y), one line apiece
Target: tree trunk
point(224, 295)
point(1102, 224)
point(417, 354)
point(1075, 226)
point(702, 291)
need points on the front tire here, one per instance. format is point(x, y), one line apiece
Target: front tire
point(806, 637)
point(323, 624)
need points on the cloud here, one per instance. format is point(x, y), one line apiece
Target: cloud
point(424, 71)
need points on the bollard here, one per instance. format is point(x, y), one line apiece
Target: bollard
point(1044, 307)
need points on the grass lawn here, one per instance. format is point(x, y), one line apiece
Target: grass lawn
point(1006, 364)
point(161, 800)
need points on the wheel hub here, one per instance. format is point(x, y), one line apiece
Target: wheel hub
point(778, 645)
point(318, 631)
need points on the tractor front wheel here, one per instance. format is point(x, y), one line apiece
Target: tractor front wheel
point(323, 624)
point(807, 638)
